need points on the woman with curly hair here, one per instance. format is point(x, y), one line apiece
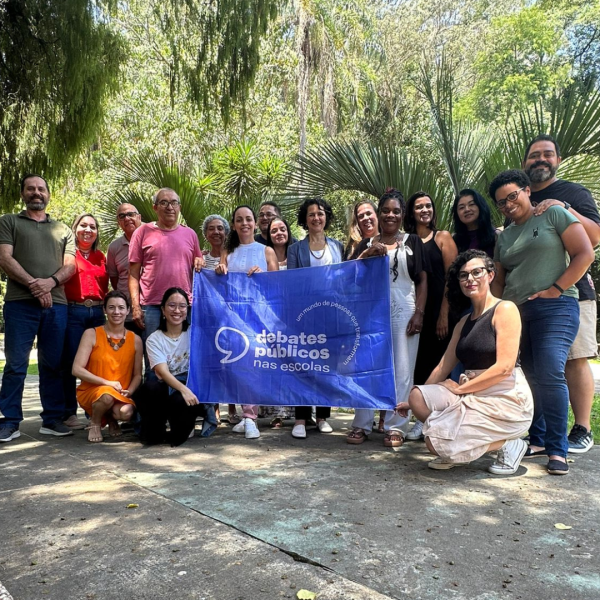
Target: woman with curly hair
point(408, 290)
point(492, 406)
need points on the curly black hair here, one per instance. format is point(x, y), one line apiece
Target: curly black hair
point(456, 299)
point(322, 204)
point(515, 176)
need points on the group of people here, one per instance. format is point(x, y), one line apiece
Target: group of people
point(485, 322)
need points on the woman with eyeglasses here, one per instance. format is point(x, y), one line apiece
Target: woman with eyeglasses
point(473, 229)
point(85, 293)
point(408, 295)
point(440, 251)
point(242, 254)
point(491, 407)
point(167, 399)
point(539, 259)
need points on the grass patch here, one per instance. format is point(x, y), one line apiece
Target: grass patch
point(595, 420)
point(31, 370)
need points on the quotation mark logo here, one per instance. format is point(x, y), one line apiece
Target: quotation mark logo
point(228, 353)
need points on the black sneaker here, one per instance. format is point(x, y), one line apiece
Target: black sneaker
point(580, 439)
point(8, 433)
point(58, 429)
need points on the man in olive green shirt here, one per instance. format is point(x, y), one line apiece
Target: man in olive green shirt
point(38, 255)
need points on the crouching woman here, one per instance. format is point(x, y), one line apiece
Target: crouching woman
point(492, 406)
point(109, 364)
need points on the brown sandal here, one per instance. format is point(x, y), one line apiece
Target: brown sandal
point(393, 439)
point(357, 436)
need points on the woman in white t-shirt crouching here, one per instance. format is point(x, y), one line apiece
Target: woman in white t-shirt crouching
point(169, 399)
point(243, 255)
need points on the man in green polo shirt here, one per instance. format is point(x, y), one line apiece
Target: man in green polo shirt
point(38, 255)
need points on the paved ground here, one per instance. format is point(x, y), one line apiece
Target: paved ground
point(230, 519)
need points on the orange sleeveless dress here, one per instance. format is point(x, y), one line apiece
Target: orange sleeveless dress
point(106, 363)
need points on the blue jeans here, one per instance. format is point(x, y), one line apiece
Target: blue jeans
point(79, 319)
point(24, 319)
point(549, 329)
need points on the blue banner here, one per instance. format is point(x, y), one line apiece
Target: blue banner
point(319, 336)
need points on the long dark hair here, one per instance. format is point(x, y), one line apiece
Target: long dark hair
point(456, 299)
point(162, 325)
point(233, 239)
point(269, 239)
point(410, 223)
point(486, 234)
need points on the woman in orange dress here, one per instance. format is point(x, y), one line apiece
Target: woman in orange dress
point(109, 364)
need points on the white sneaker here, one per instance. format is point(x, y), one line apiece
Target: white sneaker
point(416, 433)
point(252, 431)
point(299, 431)
point(240, 427)
point(324, 427)
point(509, 458)
point(443, 464)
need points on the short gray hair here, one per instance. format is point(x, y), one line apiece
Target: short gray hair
point(210, 218)
point(165, 189)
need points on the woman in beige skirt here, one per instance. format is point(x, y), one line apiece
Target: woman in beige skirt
point(492, 406)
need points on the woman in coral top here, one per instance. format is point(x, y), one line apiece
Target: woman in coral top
point(109, 364)
point(85, 293)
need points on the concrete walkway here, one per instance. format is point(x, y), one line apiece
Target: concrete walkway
point(229, 519)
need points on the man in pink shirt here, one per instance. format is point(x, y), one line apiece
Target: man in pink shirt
point(162, 254)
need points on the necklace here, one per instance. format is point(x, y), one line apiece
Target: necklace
point(116, 346)
point(316, 256)
point(394, 241)
point(85, 255)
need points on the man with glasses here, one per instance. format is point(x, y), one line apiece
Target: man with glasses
point(266, 213)
point(541, 161)
point(117, 256)
point(162, 254)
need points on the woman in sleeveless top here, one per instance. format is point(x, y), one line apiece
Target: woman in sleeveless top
point(109, 364)
point(243, 254)
point(215, 230)
point(492, 406)
point(440, 251)
point(408, 291)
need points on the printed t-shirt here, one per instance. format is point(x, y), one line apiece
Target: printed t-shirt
point(167, 259)
point(175, 353)
point(533, 254)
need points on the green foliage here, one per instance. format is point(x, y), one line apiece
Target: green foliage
point(59, 62)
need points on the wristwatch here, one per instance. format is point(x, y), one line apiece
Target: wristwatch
point(567, 205)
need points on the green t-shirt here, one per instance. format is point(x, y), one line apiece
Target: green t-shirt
point(533, 254)
point(39, 247)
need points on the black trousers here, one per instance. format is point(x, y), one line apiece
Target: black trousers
point(157, 407)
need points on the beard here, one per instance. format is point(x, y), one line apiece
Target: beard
point(36, 204)
point(538, 175)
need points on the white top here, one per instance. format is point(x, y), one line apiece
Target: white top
point(325, 257)
point(174, 352)
point(246, 256)
point(211, 262)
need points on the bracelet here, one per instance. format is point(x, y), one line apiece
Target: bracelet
point(417, 309)
point(558, 288)
point(56, 281)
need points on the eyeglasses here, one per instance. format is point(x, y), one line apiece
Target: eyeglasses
point(269, 215)
point(511, 197)
point(476, 273)
point(165, 203)
point(127, 215)
point(173, 306)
